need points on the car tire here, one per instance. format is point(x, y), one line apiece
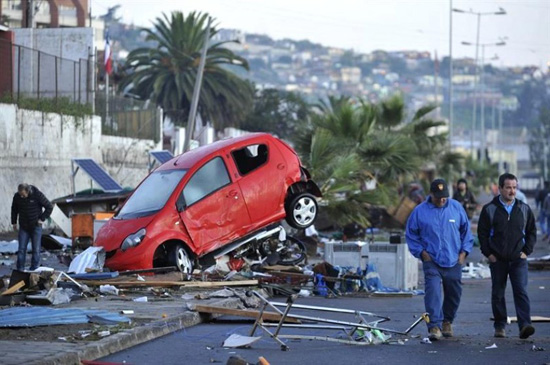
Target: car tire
point(179, 257)
point(301, 210)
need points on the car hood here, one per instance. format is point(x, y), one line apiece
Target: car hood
point(111, 235)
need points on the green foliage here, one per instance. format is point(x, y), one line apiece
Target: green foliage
point(62, 106)
point(276, 112)
point(347, 144)
point(166, 73)
point(483, 174)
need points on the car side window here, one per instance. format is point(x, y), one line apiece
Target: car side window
point(209, 178)
point(250, 158)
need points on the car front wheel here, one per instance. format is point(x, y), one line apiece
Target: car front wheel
point(301, 211)
point(179, 257)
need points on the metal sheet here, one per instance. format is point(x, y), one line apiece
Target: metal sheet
point(43, 316)
point(92, 258)
point(162, 156)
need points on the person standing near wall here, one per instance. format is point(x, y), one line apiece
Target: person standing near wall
point(438, 233)
point(32, 208)
point(507, 235)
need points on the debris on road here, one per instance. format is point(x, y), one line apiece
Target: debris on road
point(238, 341)
point(45, 316)
point(493, 346)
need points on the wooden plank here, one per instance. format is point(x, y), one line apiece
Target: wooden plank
point(13, 289)
point(186, 284)
point(266, 316)
point(533, 319)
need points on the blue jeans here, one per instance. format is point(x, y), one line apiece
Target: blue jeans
point(517, 270)
point(441, 303)
point(35, 235)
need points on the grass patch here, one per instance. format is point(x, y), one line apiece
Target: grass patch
point(62, 105)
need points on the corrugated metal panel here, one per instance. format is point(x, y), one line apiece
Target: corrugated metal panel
point(91, 258)
point(43, 316)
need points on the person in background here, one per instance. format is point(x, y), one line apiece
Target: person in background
point(520, 195)
point(539, 200)
point(465, 197)
point(507, 235)
point(438, 233)
point(32, 208)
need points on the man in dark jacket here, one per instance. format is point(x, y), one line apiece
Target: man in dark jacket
point(465, 197)
point(507, 234)
point(32, 208)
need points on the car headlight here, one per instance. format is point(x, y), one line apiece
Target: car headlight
point(133, 240)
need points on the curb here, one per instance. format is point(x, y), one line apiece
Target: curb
point(135, 336)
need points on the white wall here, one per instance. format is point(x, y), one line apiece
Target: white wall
point(37, 148)
point(72, 46)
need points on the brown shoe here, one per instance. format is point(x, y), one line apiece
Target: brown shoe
point(500, 333)
point(526, 331)
point(447, 329)
point(434, 334)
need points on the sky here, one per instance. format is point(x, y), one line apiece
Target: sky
point(367, 25)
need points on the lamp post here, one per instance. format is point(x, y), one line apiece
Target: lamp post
point(482, 84)
point(500, 11)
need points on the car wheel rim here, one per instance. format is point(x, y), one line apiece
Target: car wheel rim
point(183, 262)
point(304, 211)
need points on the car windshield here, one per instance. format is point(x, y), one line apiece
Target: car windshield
point(152, 194)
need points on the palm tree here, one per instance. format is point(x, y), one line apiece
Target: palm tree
point(166, 73)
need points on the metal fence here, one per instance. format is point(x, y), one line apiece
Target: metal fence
point(29, 73)
point(128, 117)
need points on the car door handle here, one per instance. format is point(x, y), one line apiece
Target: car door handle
point(281, 166)
point(233, 194)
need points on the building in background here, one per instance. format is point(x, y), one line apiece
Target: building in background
point(46, 14)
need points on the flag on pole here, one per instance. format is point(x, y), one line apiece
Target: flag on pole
point(108, 61)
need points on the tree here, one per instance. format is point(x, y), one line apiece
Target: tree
point(276, 112)
point(166, 73)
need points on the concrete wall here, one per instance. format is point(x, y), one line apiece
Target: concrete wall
point(54, 61)
point(37, 148)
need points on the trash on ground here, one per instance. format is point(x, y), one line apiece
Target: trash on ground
point(52, 242)
point(537, 348)
point(493, 346)
point(477, 271)
point(93, 258)
point(426, 341)
point(126, 311)
point(104, 333)
point(140, 299)
point(10, 247)
point(108, 289)
point(237, 341)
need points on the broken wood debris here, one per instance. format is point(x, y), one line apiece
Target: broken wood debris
point(186, 284)
point(14, 288)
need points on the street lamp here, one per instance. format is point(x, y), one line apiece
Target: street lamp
point(482, 82)
point(500, 11)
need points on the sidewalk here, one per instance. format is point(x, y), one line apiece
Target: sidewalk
point(154, 318)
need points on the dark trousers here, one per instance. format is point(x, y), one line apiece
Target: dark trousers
point(517, 271)
point(442, 303)
point(35, 236)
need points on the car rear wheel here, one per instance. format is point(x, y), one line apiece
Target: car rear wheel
point(301, 211)
point(179, 257)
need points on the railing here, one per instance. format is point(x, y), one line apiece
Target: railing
point(29, 73)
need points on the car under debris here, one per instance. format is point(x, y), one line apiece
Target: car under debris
point(203, 200)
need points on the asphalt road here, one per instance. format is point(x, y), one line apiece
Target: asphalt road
point(473, 333)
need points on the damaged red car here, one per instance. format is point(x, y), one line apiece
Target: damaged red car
point(208, 200)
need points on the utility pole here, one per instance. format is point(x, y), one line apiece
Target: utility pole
point(451, 75)
point(501, 11)
point(30, 13)
point(196, 91)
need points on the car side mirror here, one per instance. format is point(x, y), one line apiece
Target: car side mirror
point(180, 203)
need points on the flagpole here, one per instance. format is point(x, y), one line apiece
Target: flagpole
point(107, 100)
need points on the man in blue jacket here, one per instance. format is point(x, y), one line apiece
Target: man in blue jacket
point(438, 233)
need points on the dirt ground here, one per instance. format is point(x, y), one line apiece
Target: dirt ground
point(85, 332)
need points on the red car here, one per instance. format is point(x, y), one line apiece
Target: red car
point(206, 198)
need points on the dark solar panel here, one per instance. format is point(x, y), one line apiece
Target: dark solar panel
point(162, 156)
point(97, 174)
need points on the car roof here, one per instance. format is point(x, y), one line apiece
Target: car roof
point(190, 158)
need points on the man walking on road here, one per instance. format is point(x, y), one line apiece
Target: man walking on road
point(32, 208)
point(507, 235)
point(438, 233)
